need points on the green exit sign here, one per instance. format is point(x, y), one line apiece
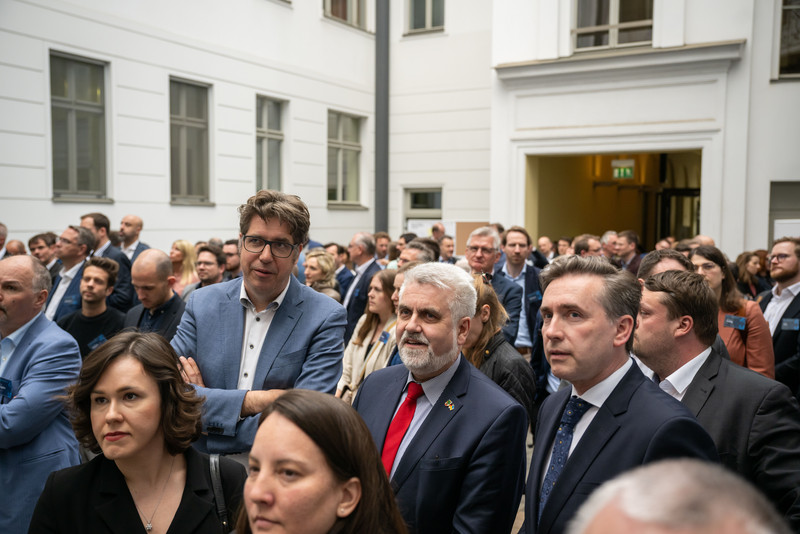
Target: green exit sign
point(622, 168)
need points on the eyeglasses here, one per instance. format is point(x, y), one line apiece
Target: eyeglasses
point(486, 251)
point(279, 249)
point(69, 242)
point(778, 258)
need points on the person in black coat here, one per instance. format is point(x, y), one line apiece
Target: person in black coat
point(488, 350)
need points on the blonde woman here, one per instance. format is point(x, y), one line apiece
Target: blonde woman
point(373, 340)
point(320, 273)
point(183, 257)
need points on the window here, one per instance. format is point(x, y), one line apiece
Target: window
point(423, 207)
point(78, 127)
point(269, 138)
point(612, 23)
point(425, 15)
point(344, 151)
point(188, 110)
point(790, 39)
point(349, 11)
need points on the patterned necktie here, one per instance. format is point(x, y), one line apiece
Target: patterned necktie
point(573, 412)
point(399, 426)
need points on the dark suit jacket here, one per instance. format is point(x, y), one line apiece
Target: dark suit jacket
point(71, 301)
point(138, 250)
point(636, 425)
point(510, 296)
point(532, 300)
point(465, 468)
point(755, 423)
point(358, 301)
point(786, 345)
point(93, 498)
point(169, 323)
point(345, 277)
point(55, 270)
point(122, 297)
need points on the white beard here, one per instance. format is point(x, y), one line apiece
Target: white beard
point(424, 362)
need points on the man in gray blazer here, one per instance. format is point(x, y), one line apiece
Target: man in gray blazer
point(754, 421)
point(244, 341)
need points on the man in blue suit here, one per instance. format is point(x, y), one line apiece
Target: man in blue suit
point(39, 360)
point(451, 440)
point(362, 252)
point(343, 275)
point(612, 419)
point(244, 341)
point(72, 248)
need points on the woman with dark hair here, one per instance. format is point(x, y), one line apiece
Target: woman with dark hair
point(373, 338)
point(323, 476)
point(487, 349)
point(742, 326)
point(131, 405)
point(320, 273)
point(748, 281)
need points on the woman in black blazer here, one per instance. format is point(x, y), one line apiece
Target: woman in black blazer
point(132, 405)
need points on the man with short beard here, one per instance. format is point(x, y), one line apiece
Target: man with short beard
point(452, 441)
point(781, 309)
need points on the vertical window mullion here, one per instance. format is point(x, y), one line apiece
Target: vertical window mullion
point(72, 150)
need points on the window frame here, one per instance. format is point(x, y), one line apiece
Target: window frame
point(776, 74)
point(73, 105)
point(266, 135)
point(356, 13)
point(612, 28)
point(341, 145)
point(429, 27)
point(184, 122)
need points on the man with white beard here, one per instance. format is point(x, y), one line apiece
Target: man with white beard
point(451, 440)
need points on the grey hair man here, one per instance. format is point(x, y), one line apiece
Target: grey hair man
point(457, 439)
point(677, 497)
point(362, 254)
point(72, 248)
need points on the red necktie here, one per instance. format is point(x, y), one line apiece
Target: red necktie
point(399, 426)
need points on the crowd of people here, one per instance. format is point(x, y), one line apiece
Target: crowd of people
point(390, 386)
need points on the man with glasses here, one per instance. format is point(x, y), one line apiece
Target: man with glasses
point(210, 266)
point(483, 252)
point(245, 341)
point(781, 309)
point(72, 248)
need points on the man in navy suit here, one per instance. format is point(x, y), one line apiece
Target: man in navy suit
point(458, 462)
point(244, 341)
point(39, 361)
point(72, 248)
point(122, 296)
point(362, 253)
point(129, 229)
point(781, 308)
point(616, 419)
point(340, 258)
point(483, 252)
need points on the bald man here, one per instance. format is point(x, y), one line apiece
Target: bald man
point(129, 230)
point(161, 308)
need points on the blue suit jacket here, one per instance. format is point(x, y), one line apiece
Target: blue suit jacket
point(358, 301)
point(465, 468)
point(532, 298)
point(71, 301)
point(510, 296)
point(36, 437)
point(138, 250)
point(303, 349)
point(122, 297)
point(345, 277)
point(637, 424)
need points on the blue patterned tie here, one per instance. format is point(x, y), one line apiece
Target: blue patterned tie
point(573, 412)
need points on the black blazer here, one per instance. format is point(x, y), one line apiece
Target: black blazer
point(755, 424)
point(93, 498)
point(786, 345)
point(169, 325)
point(358, 300)
point(122, 296)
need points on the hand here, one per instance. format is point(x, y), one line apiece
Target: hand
point(191, 372)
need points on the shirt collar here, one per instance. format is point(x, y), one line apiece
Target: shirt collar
point(682, 378)
point(133, 246)
point(247, 303)
point(504, 269)
point(361, 269)
point(164, 306)
point(792, 290)
point(70, 274)
point(99, 252)
point(434, 387)
point(599, 393)
point(15, 336)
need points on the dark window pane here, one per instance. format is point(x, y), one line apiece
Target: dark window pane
point(426, 200)
point(274, 164)
point(631, 10)
point(196, 101)
point(260, 112)
point(350, 133)
point(175, 160)
point(333, 171)
point(635, 35)
point(196, 162)
point(790, 42)
point(273, 115)
point(586, 40)
point(260, 146)
point(438, 13)
point(88, 82)
point(89, 144)
point(174, 98)
point(60, 153)
point(333, 125)
point(592, 13)
point(339, 9)
point(417, 14)
point(350, 176)
point(58, 77)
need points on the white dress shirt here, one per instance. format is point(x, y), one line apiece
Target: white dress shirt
point(778, 304)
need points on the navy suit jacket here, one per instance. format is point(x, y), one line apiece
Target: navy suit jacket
point(345, 277)
point(532, 298)
point(755, 423)
point(786, 345)
point(35, 434)
point(636, 425)
point(465, 468)
point(138, 250)
point(303, 349)
point(358, 301)
point(122, 296)
point(71, 300)
point(510, 296)
point(169, 322)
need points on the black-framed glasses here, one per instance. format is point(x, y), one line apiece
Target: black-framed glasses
point(279, 249)
point(486, 251)
point(777, 257)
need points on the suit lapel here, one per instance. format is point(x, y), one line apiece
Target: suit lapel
point(702, 384)
point(283, 324)
point(232, 333)
point(198, 499)
point(436, 421)
point(115, 504)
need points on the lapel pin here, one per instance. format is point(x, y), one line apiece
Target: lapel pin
point(449, 405)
